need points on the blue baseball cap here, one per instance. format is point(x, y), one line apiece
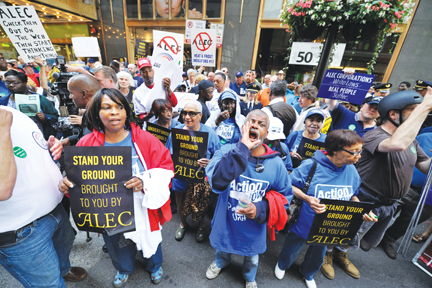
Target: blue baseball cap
point(375, 100)
point(228, 95)
point(91, 60)
point(184, 74)
point(314, 112)
point(239, 74)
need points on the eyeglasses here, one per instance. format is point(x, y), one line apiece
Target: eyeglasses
point(190, 113)
point(353, 153)
point(14, 83)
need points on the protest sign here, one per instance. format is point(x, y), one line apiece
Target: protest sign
point(183, 98)
point(159, 132)
point(309, 53)
point(24, 28)
point(204, 47)
point(28, 104)
point(170, 43)
point(338, 225)
point(219, 33)
point(188, 147)
point(340, 86)
point(99, 200)
point(141, 49)
point(86, 47)
point(193, 24)
point(306, 149)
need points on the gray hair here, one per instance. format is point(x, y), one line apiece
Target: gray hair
point(108, 73)
point(309, 91)
point(190, 71)
point(278, 88)
point(195, 103)
point(260, 113)
point(126, 75)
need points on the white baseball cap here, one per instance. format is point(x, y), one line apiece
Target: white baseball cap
point(276, 130)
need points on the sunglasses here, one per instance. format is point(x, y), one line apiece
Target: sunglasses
point(353, 153)
point(190, 113)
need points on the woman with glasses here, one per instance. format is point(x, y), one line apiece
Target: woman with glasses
point(111, 120)
point(334, 169)
point(227, 121)
point(192, 116)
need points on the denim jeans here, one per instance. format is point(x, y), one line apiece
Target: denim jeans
point(250, 264)
point(123, 259)
point(312, 261)
point(40, 256)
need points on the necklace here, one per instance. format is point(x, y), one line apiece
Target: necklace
point(118, 137)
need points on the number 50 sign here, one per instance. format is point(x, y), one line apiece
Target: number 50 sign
point(307, 53)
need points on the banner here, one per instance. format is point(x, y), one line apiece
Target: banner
point(193, 24)
point(340, 86)
point(219, 33)
point(159, 132)
point(309, 53)
point(171, 43)
point(99, 200)
point(86, 47)
point(204, 47)
point(24, 28)
point(141, 49)
point(338, 225)
point(28, 104)
point(188, 147)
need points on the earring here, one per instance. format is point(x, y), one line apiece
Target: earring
point(183, 11)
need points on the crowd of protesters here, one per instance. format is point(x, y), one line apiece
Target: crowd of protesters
point(254, 132)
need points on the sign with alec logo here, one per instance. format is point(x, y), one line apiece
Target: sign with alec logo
point(193, 24)
point(204, 47)
point(24, 28)
point(188, 147)
point(306, 149)
point(219, 33)
point(339, 224)
point(308, 53)
point(242, 191)
point(159, 132)
point(340, 86)
point(99, 200)
point(170, 43)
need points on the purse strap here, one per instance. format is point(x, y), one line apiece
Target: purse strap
point(310, 176)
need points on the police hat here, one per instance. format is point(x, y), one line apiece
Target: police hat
point(421, 85)
point(383, 87)
point(254, 88)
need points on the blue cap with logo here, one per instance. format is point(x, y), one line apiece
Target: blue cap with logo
point(239, 74)
point(315, 112)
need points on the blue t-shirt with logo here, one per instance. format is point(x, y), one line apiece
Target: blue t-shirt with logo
point(228, 131)
point(295, 137)
point(240, 90)
point(4, 91)
point(328, 182)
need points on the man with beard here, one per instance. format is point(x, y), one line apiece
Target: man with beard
point(147, 73)
point(360, 122)
point(242, 174)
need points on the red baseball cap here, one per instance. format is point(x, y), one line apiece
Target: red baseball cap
point(144, 62)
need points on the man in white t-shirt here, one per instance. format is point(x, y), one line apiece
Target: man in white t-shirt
point(36, 236)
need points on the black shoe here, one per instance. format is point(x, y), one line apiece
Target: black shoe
point(104, 249)
point(389, 250)
point(365, 245)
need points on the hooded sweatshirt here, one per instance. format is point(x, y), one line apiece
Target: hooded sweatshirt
point(328, 182)
point(231, 174)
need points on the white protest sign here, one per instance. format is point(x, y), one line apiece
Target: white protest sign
point(308, 53)
point(171, 43)
point(28, 104)
point(219, 33)
point(169, 70)
point(204, 47)
point(193, 24)
point(183, 98)
point(86, 47)
point(24, 28)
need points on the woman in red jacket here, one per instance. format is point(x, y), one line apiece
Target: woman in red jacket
point(111, 119)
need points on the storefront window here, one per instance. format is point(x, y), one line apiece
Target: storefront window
point(146, 9)
point(195, 9)
point(272, 9)
point(132, 8)
point(214, 8)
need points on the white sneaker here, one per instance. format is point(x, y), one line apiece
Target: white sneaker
point(310, 283)
point(251, 284)
point(279, 273)
point(213, 271)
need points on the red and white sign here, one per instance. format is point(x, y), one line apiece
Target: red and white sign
point(219, 33)
point(171, 44)
point(192, 24)
point(204, 47)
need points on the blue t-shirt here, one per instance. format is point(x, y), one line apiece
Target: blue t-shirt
point(295, 137)
point(343, 118)
point(425, 142)
point(286, 159)
point(240, 90)
point(137, 167)
point(174, 123)
point(4, 91)
point(212, 146)
point(328, 182)
point(228, 131)
point(138, 81)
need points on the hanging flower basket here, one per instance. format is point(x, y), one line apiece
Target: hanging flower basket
point(352, 31)
point(309, 33)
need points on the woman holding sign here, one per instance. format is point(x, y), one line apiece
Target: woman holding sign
point(110, 118)
point(162, 110)
point(314, 121)
point(335, 177)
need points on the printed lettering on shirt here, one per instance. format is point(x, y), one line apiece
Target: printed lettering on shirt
point(225, 131)
point(40, 140)
point(242, 91)
point(254, 188)
point(336, 192)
